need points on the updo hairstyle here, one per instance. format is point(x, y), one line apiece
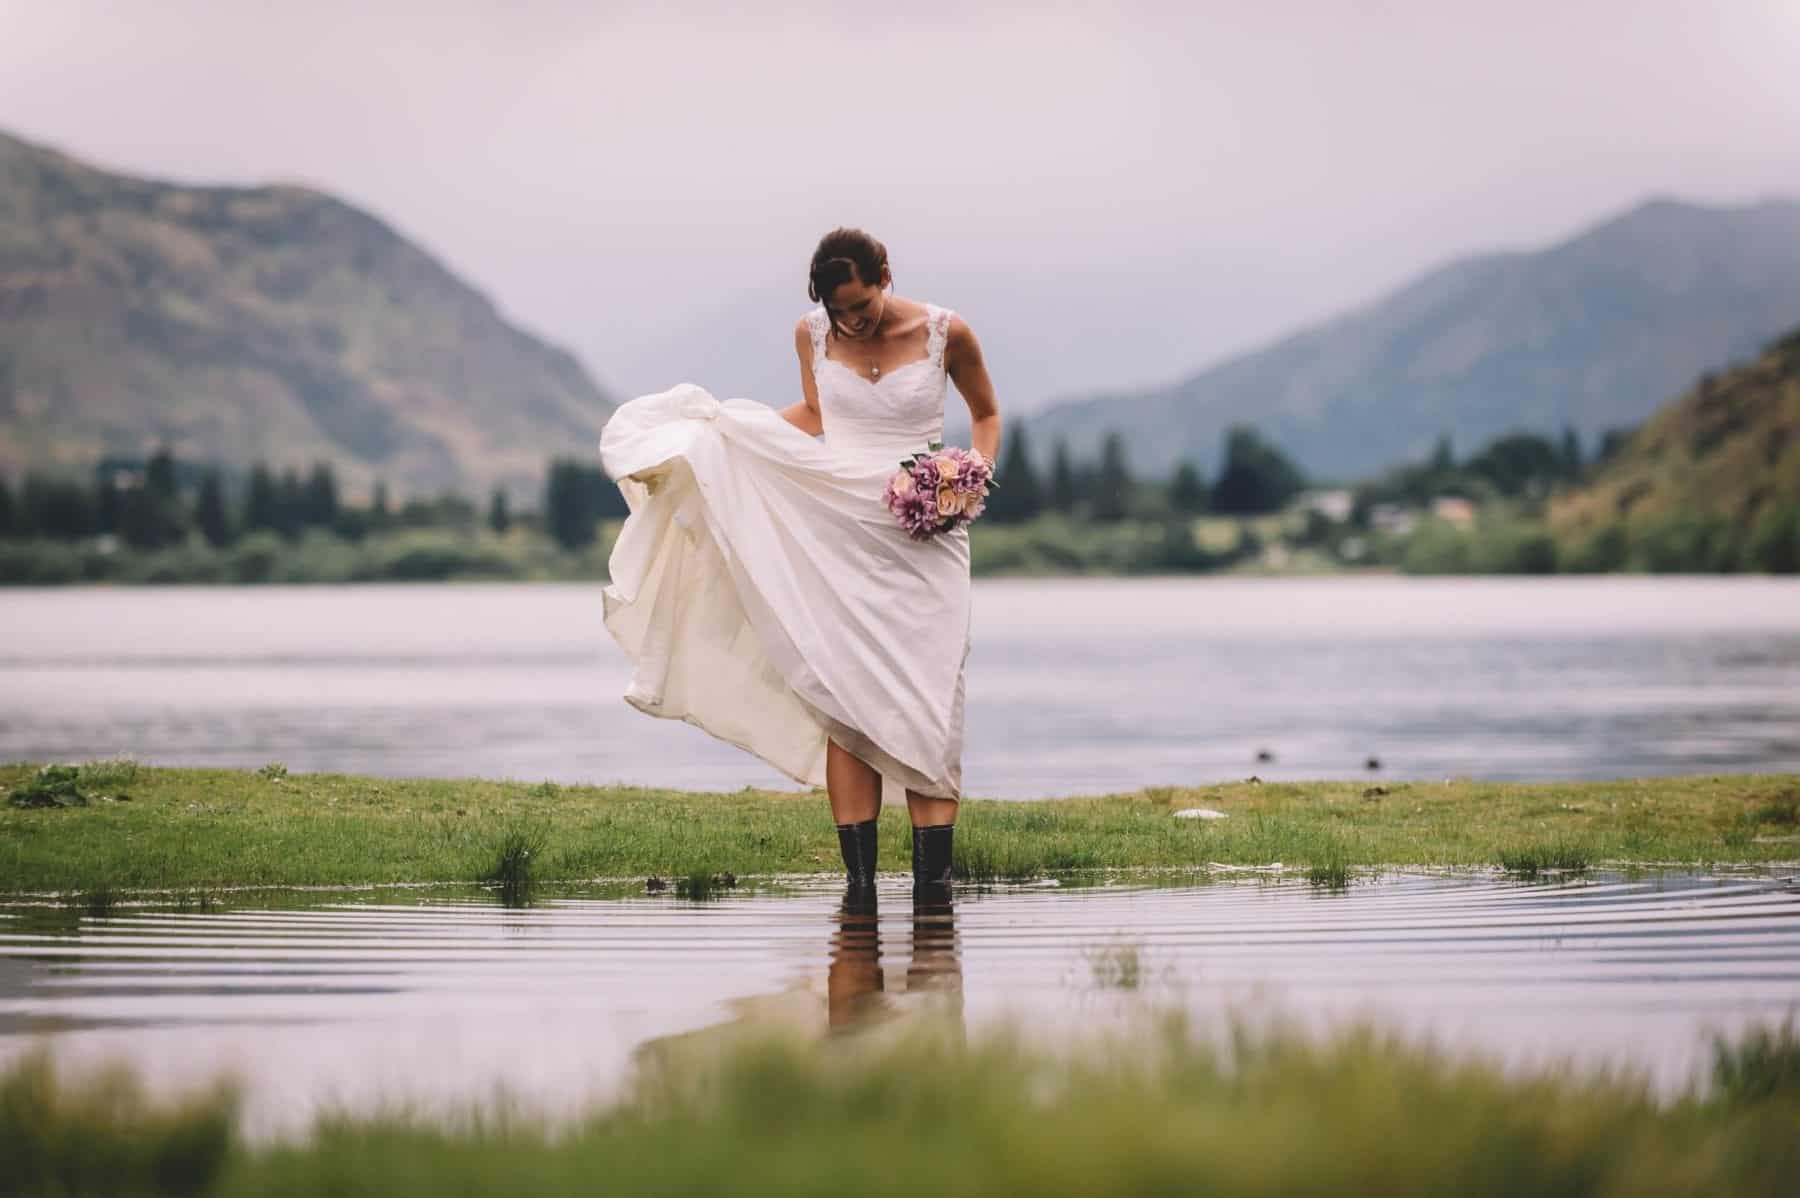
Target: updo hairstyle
point(844, 254)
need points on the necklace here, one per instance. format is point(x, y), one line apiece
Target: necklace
point(875, 367)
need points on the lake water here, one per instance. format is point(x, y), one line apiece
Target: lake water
point(359, 998)
point(1075, 686)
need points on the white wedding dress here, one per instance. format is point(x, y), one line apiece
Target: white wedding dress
point(764, 592)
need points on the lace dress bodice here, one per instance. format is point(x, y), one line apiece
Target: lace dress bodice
point(893, 416)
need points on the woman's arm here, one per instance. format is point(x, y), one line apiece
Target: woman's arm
point(962, 358)
point(805, 414)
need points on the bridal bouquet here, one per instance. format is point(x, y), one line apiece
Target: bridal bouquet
point(938, 489)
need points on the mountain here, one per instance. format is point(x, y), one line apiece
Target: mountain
point(1728, 450)
point(1592, 332)
point(273, 323)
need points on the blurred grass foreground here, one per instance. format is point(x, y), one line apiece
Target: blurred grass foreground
point(1166, 1108)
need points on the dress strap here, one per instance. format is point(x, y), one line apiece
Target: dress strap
point(937, 326)
point(815, 324)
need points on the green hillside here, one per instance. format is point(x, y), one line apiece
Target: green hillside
point(1588, 334)
point(265, 323)
point(1714, 474)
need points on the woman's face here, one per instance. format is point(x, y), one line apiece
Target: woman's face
point(855, 307)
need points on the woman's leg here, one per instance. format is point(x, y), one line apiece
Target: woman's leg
point(855, 790)
point(927, 811)
point(854, 786)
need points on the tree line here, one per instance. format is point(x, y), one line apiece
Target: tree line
point(1515, 465)
point(164, 501)
point(161, 502)
point(1254, 476)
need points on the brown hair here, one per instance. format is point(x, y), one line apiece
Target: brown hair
point(843, 254)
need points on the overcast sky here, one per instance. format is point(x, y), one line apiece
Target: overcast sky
point(1111, 195)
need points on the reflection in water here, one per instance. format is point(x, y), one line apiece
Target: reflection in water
point(936, 966)
point(434, 998)
point(853, 994)
point(855, 981)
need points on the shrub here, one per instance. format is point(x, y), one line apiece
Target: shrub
point(1514, 549)
point(1774, 543)
point(1607, 550)
point(1685, 543)
point(109, 774)
point(1437, 548)
point(40, 563)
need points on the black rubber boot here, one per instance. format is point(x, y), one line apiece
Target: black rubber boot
point(858, 843)
point(931, 854)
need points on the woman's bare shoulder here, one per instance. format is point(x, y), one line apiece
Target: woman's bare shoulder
point(957, 333)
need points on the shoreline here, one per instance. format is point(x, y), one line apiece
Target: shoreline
point(115, 828)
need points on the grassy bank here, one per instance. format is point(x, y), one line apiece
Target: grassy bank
point(110, 827)
point(1158, 1110)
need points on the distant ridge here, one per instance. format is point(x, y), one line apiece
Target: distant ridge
point(1728, 449)
point(276, 323)
point(1592, 332)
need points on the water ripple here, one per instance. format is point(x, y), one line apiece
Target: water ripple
point(360, 997)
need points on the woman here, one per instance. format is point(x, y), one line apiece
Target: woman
point(762, 587)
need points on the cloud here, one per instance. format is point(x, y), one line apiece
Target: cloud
point(1112, 194)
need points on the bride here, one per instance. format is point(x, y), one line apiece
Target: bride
point(762, 588)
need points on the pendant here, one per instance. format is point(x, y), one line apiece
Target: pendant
point(875, 372)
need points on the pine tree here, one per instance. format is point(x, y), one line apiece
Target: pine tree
point(1257, 476)
point(210, 514)
point(159, 475)
point(567, 510)
point(1187, 492)
point(378, 506)
point(1571, 452)
point(1112, 485)
point(319, 508)
point(1065, 489)
point(151, 515)
point(499, 515)
point(608, 501)
point(109, 502)
point(1443, 460)
point(1017, 495)
point(260, 501)
point(8, 514)
point(290, 503)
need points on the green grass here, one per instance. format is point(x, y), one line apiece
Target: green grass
point(205, 830)
point(516, 852)
point(1762, 1064)
point(1157, 1107)
point(110, 775)
point(1117, 966)
point(1561, 855)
